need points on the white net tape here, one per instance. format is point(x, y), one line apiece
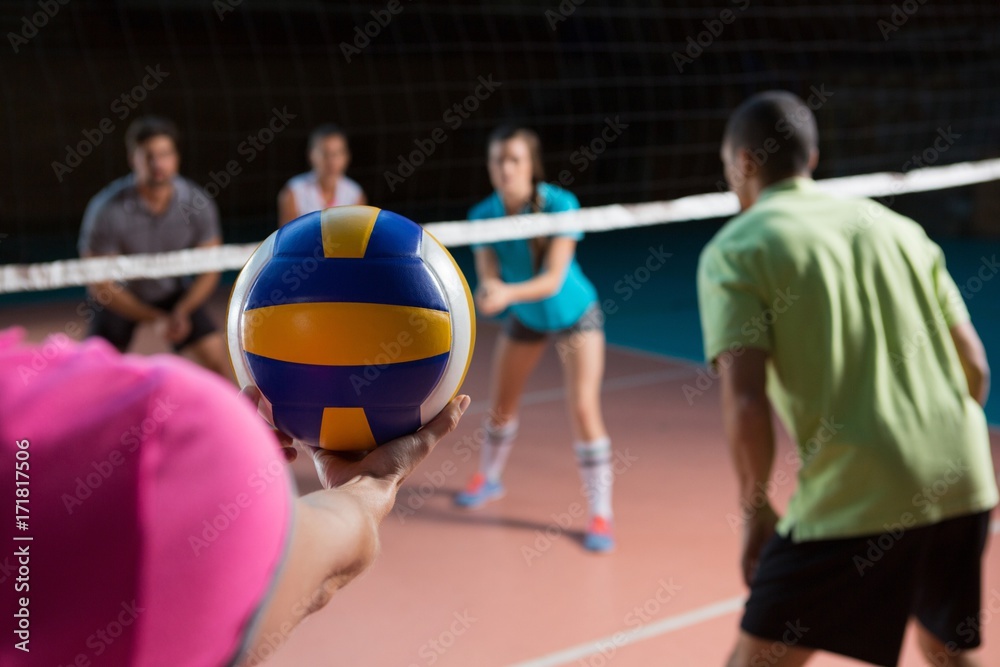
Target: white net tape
point(74, 272)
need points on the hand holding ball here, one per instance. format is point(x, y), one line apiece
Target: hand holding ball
point(355, 324)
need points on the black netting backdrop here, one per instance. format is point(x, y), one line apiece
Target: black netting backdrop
point(645, 87)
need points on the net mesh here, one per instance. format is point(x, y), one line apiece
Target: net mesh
point(629, 98)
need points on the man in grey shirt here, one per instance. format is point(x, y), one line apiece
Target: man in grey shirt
point(153, 209)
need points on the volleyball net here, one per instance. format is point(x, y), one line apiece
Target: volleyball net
point(457, 233)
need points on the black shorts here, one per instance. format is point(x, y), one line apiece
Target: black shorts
point(118, 330)
point(854, 596)
point(591, 320)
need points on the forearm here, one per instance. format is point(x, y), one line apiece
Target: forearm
point(334, 539)
point(198, 293)
point(121, 301)
point(977, 375)
point(346, 523)
point(751, 444)
point(542, 286)
point(972, 354)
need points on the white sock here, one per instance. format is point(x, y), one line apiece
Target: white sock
point(593, 459)
point(495, 450)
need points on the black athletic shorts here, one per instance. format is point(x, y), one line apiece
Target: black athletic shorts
point(591, 320)
point(118, 330)
point(854, 596)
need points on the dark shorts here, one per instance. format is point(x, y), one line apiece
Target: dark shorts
point(854, 596)
point(591, 320)
point(118, 330)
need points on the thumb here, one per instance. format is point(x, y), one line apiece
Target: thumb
point(446, 420)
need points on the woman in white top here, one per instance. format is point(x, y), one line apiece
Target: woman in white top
point(324, 186)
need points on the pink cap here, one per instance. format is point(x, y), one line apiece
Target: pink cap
point(158, 509)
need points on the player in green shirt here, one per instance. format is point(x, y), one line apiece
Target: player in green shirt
point(841, 315)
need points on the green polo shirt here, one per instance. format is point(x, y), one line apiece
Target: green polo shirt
point(854, 305)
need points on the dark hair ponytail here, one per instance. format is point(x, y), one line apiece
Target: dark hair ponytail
point(539, 245)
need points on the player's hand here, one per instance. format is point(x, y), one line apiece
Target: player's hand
point(492, 297)
point(253, 394)
point(756, 532)
point(377, 475)
point(178, 326)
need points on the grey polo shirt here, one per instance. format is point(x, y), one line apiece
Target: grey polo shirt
point(118, 222)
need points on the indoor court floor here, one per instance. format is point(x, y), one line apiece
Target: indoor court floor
point(510, 584)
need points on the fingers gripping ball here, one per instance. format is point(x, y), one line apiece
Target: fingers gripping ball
point(356, 325)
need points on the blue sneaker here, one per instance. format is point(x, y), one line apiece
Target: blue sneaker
point(478, 492)
point(599, 537)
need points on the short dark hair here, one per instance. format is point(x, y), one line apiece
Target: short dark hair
point(322, 132)
point(780, 131)
point(144, 128)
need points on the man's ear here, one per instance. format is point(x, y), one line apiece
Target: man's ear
point(813, 159)
point(746, 164)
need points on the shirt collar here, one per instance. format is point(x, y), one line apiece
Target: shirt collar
point(792, 184)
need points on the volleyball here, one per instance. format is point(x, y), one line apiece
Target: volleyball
point(355, 324)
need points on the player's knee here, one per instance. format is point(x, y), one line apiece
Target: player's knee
point(500, 427)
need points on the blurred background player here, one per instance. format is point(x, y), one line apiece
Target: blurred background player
point(845, 287)
point(151, 210)
point(191, 539)
point(540, 282)
point(326, 185)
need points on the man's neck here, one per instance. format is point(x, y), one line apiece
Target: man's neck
point(156, 197)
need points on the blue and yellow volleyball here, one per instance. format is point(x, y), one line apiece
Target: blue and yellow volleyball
point(356, 325)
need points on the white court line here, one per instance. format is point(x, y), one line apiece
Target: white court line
point(619, 639)
point(661, 627)
point(671, 623)
point(610, 384)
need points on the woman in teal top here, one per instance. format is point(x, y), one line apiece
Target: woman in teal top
point(541, 286)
